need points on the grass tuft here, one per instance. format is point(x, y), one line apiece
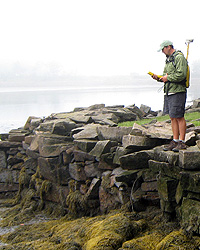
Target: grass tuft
point(193, 117)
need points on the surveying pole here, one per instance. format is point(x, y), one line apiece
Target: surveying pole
point(188, 41)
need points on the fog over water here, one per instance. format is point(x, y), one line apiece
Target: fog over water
point(18, 101)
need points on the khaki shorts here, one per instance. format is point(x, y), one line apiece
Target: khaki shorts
point(174, 105)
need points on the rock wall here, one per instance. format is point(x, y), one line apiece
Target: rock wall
point(83, 163)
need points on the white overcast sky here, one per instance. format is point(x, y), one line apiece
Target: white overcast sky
point(97, 37)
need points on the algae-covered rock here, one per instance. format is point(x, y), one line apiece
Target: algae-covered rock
point(190, 213)
point(147, 242)
point(77, 204)
point(167, 188)
point(111, 232)
point(114, 231)
point(100, 232)
point(178, 240)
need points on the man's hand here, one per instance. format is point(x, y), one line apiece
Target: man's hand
point(164, 78)
point(155, 77)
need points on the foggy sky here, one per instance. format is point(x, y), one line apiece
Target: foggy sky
point(93, 37)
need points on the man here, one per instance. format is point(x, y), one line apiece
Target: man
point(174, 78)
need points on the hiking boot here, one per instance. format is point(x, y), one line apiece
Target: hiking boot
point(180, 146)
point(170, 146)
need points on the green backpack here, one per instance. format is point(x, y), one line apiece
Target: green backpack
point(187, 80)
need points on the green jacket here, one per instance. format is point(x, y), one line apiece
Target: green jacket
point(177, 72)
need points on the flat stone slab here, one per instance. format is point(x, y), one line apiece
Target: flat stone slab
point(87, 132)
point(166, 156)
point(8, 144)
point(100, 148)
point(137, 160)
point(190, 159)
point(160, 130)
point(138, 142)
point(4, 187)
point(164, 168)
point(85, 144)
point(114, 133)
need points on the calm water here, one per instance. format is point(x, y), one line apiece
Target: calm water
point(17, 104)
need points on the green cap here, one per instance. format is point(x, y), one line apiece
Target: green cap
point(165, 44)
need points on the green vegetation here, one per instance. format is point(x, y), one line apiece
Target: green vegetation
point(119, 229)
point(190, 117)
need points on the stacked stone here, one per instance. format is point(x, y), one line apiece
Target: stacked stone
point(55, 149)
point(84, 162)
point(12, 158)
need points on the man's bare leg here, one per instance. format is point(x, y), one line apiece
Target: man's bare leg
point(182, 128)
point(175, 128)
